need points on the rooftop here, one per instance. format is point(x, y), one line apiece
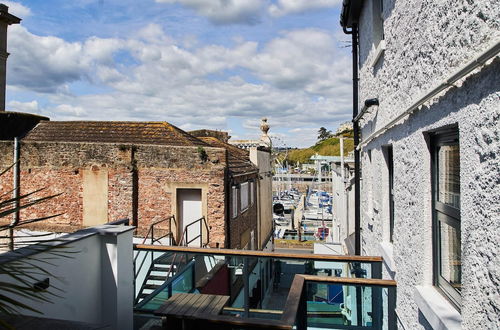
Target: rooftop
point(159, 133)
point(238, 159)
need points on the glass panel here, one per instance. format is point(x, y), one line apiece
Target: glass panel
point(269, 280)
point(450, 264)
point(183, 283)
point(347, 306)
point(449, 175)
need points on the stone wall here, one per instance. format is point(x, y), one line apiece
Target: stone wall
point(59, 168)
point(425, 42)
point(246, 221)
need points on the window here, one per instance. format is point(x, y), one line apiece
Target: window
point(446, 214)
point(378, 30)
point(390, 168)
point(244, 196)
point(252, 192)
point(234, 201)
point(378, 22)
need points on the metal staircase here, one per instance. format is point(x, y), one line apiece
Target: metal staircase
point(165, 266)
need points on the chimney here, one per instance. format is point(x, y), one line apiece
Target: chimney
point(6, 19)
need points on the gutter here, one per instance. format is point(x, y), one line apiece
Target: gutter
point(476, 62)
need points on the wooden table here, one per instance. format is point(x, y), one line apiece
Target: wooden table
point(182, 307)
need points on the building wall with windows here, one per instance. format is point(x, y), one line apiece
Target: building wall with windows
point(243, 223)
point(242, 177)
point(144, 171)
point(425, 42)
point(109, 170)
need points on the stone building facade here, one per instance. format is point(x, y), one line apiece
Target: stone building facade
point(429, 155)
point(105, 171)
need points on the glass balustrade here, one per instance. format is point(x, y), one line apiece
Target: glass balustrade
point(259, 283)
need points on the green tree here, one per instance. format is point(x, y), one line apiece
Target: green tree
point(324, 134)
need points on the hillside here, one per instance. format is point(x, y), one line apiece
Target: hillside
point(328, 147)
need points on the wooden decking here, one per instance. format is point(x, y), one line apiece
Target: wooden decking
point(183, 307)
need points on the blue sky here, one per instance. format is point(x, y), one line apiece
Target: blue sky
point(218, 64)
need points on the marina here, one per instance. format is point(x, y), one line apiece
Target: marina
point(303, 216)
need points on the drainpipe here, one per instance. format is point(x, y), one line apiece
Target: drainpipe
point(16, 193)
point(357, 167)
point(357, 161)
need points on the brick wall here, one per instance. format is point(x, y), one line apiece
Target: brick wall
point(59, 167)
point(245, 221)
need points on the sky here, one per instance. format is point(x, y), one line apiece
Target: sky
point(215, 64)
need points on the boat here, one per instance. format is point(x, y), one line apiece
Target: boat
point(280, 220)
point(317, 214)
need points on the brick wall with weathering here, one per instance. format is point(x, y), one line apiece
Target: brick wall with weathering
point(76, 169)
point(241, 226)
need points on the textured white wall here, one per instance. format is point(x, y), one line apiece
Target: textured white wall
point(94, 272)
point(425, 42)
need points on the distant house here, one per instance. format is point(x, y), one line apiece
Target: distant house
point(259, 191)
point(429, 87)
point(145, 171)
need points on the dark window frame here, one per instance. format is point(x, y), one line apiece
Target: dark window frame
point(449, 214)
point(390, 167)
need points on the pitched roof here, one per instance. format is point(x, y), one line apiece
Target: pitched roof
point(160, 133)
point(238, 159)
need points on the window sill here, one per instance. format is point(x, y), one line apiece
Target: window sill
point(437, 310)
point(378, 53)
point(387, 251)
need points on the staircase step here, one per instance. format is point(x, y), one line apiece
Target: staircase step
point(151, 286)
point(159, 269)
point(143, 295)
point(163, 261)
point(157, 277)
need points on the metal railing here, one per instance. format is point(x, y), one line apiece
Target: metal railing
point(201, 221)
point(168, 285)
point(185, 240)
point(175, 264)
point(295, 314)
point(149, 255)
point(151, 231)
point(153, 240)
point(369, 302)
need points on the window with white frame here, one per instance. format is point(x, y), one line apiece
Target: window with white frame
point(378, 22)
point(446, 214)
point(244, 189)
point(234, 201)
point(252, 192)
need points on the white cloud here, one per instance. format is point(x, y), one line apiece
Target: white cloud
point(225, 11)
point(286, 7)
point(45, 64)
point(304, 82)
point(29, 107)
point(305, 59)
point(70, 110)
point(17, 9)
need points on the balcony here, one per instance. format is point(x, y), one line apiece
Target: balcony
point(263, 289)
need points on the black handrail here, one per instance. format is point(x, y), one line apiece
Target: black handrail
point(185, 235)
point(168, 282)
point(150, 234)
point(151, 230)
point(201, 221)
